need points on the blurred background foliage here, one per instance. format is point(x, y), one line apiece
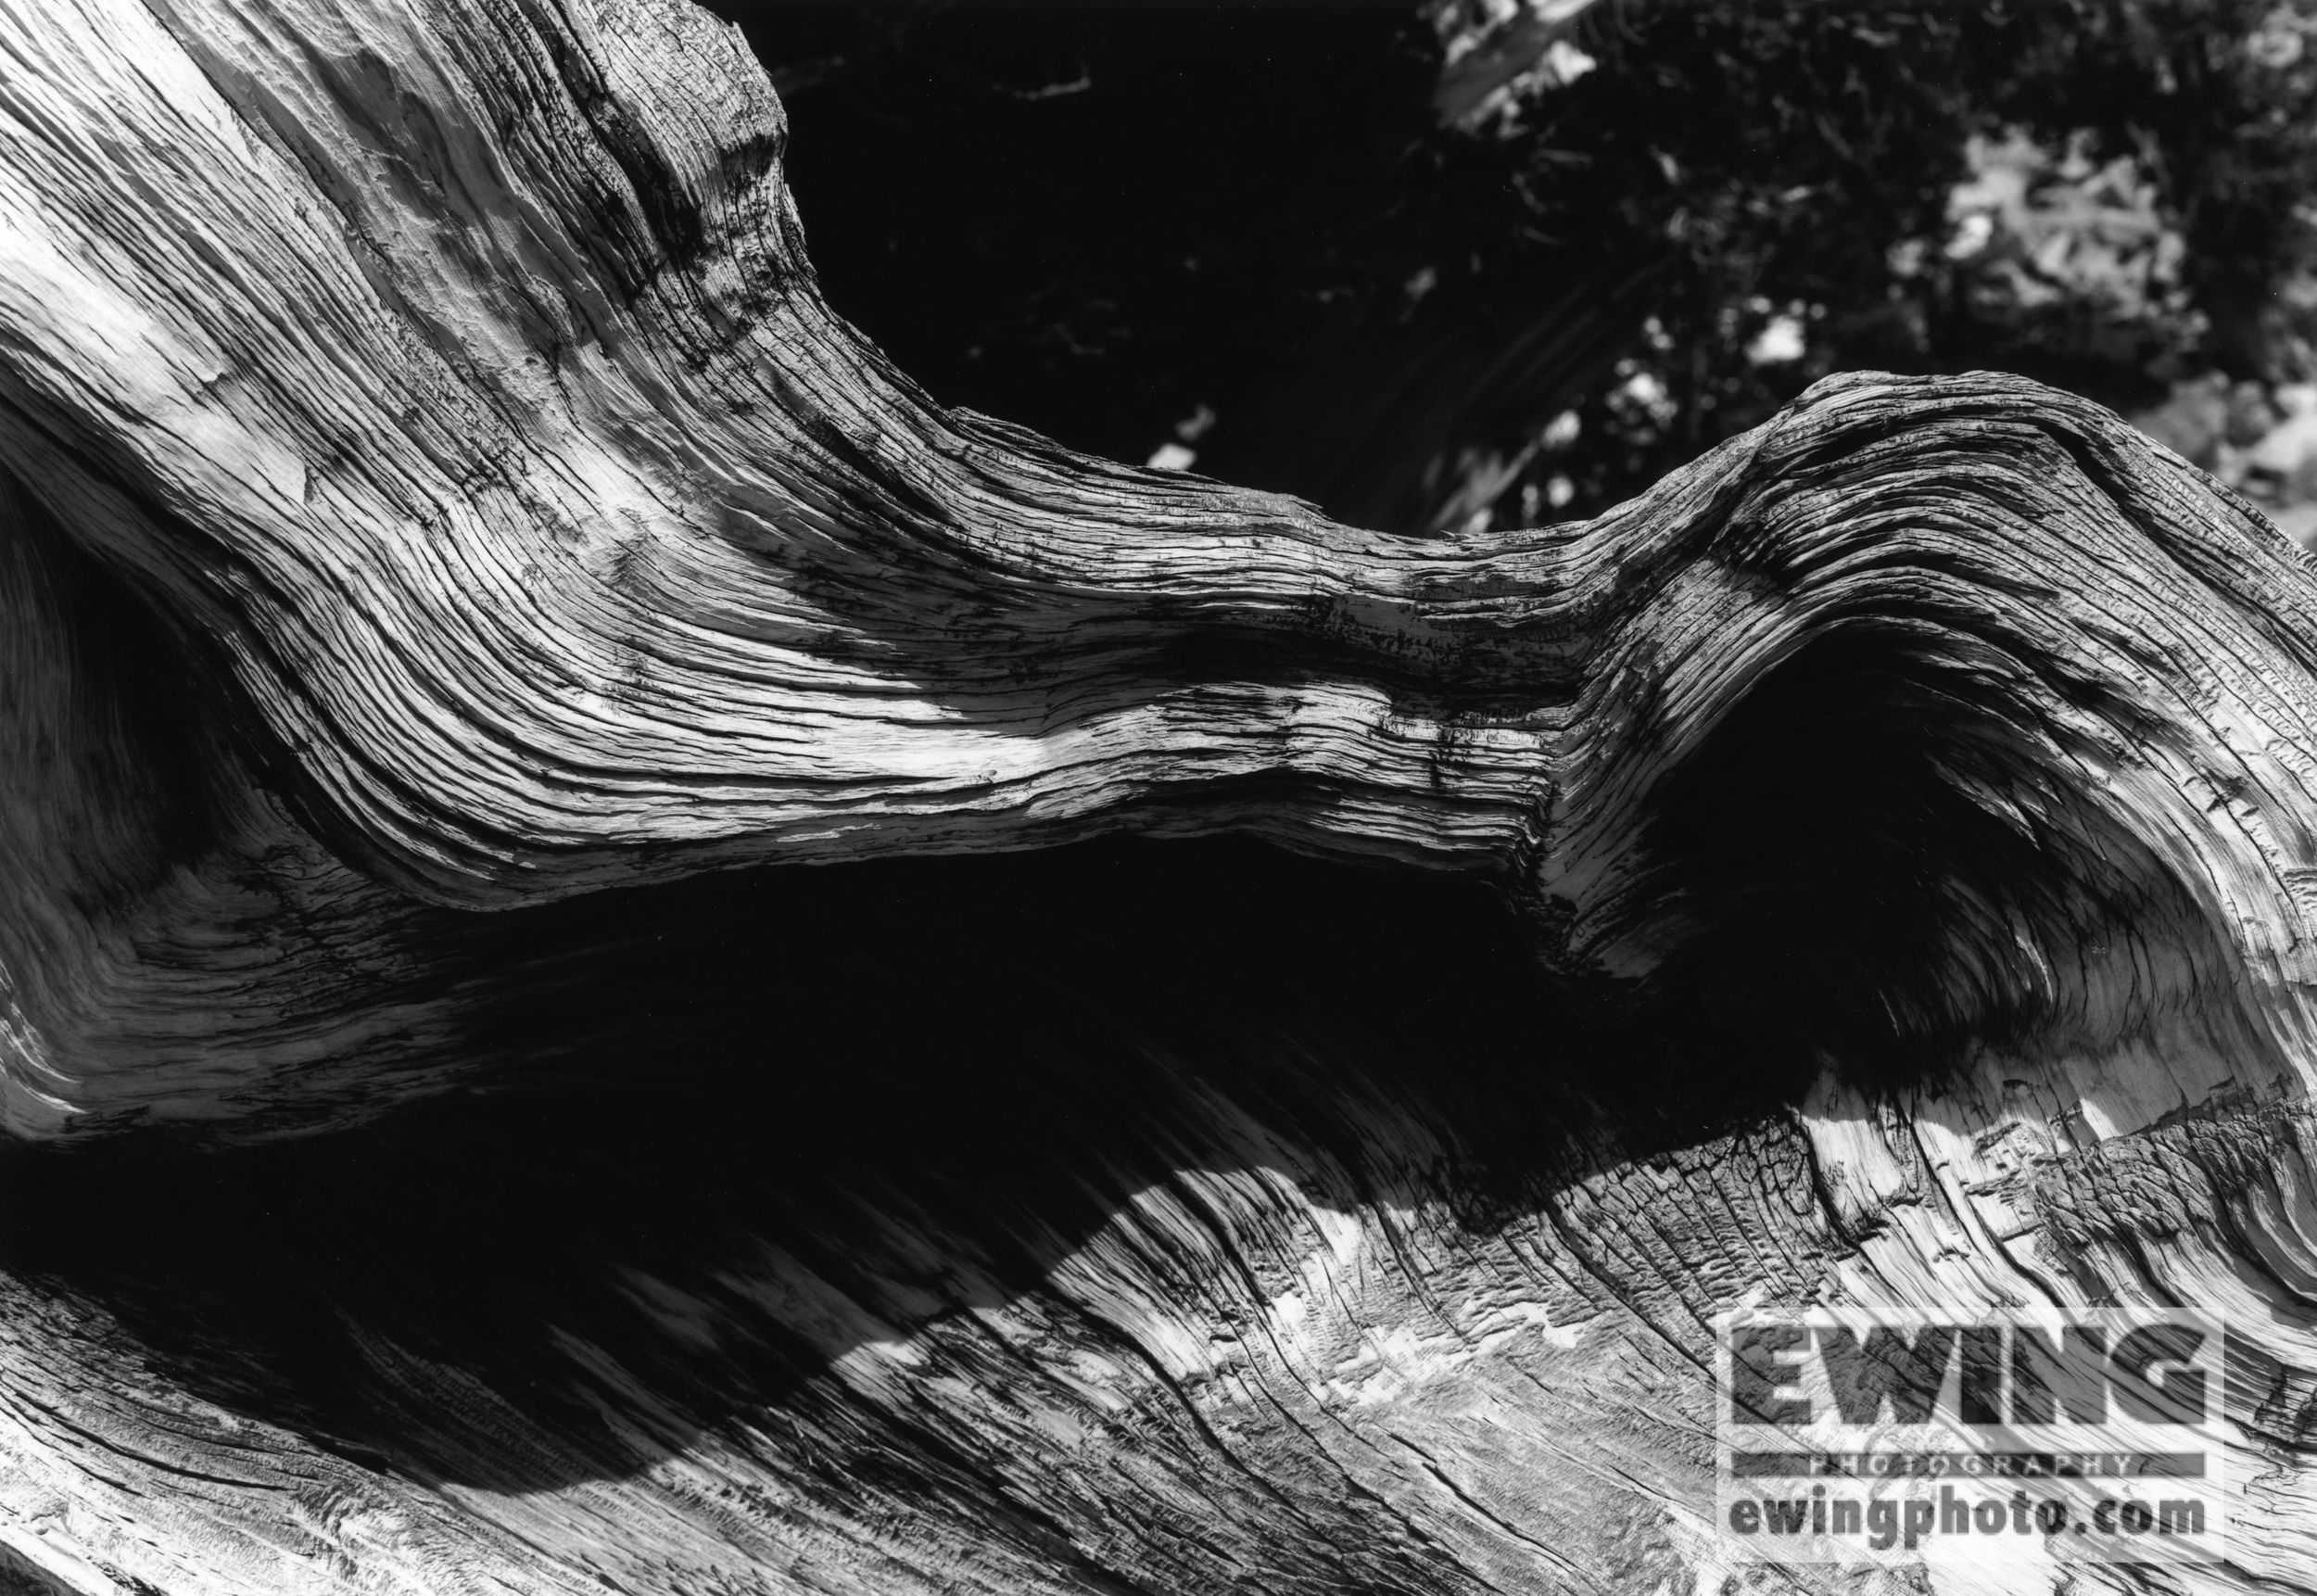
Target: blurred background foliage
point(1443, 263)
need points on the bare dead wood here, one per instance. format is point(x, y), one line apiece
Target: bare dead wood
point(451, 384)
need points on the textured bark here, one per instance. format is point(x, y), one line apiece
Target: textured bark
point(446, 520)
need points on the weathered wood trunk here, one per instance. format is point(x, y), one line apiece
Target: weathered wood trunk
point(455, 567)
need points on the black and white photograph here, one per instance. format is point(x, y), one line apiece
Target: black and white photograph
point(1158, 798)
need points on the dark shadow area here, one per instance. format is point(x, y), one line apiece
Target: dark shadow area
point(998, 1051)
point(1875, 855)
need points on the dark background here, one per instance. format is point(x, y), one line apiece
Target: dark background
point(1384, 248)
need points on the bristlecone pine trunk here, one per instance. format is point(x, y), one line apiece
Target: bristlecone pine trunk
point(455, 565)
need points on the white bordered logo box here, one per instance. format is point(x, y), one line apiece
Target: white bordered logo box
point(2015, 1440)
